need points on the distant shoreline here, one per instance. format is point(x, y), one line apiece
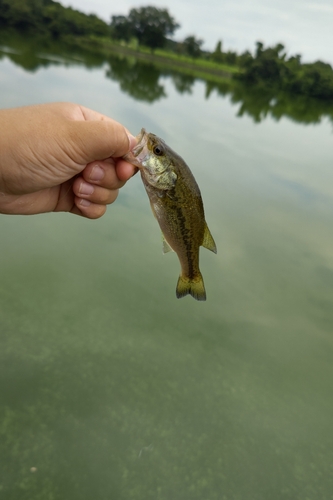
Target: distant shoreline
point(268, 73)
point(196, 68)
point(143, 35)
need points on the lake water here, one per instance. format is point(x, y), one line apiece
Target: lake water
point(110, 387)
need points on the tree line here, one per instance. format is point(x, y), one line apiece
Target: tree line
point(142, 80)
point(48, 17)
point(269, 68)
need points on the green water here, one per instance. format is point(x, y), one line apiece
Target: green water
point(111, 387)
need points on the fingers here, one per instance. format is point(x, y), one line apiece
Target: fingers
point(86, 209)
point(98, 139)
point(95, 194)
point(125, 170)
point(98, 186)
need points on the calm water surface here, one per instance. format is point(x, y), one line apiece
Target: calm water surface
point(111, 387)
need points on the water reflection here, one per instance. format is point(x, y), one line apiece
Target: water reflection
point(140, 80)
point(144, 80)
point(183, 83)
point(32, 54)
point(258, 104)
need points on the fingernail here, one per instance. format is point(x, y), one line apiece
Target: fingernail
point(86, 188)
point(85, 203)
point(132, 141)
point(97, 173)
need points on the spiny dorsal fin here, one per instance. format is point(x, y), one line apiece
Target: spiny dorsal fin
point(208, 240)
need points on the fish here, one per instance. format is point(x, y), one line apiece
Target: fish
point(176, 203)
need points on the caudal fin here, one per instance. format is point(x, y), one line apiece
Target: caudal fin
point(194, 287)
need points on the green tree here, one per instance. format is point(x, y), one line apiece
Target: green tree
point(49, 17)
point(259, 50)
point(245, 58)
point(270, 70)
point(67, 21)
point(151, 25)
point(267, 66)
point(19, 14)
point(121, 28)
point(217, 55)
point(230, 57)
point(192, 46)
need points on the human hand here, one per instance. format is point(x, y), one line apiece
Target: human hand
point(61, 157)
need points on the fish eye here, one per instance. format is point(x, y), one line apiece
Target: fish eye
point(158, 151)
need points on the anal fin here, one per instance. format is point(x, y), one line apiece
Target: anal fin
point(208, 240)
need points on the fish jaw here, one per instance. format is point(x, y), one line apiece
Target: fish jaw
point(154, 171)
point(139, 153)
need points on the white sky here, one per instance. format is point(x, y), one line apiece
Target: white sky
point(304, 26)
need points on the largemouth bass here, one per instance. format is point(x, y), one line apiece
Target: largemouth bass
point(176, 202)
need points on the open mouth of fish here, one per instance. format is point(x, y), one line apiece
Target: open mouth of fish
point(140, 151)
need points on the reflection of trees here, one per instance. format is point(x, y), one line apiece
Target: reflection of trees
point(301, 109)
point(32, 53)
point(258, 103)
point(27, 60)
point(183, 83)
point(30, 60)
point(298, 108)
point(222, 88)
point(138, 79)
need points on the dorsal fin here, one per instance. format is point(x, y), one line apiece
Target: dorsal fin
point(208, 240)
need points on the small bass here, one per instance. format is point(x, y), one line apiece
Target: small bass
point(176, 202)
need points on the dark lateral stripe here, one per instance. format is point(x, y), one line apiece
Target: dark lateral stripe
point(186, 235)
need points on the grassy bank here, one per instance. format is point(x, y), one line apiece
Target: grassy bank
point(201, 68)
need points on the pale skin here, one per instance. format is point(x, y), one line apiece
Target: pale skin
point(61, 157)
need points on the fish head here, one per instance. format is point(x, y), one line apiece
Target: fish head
point(154, 159)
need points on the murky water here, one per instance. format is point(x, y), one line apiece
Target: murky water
point(110, 387)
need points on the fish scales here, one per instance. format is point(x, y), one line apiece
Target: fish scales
point(181, 223)
point(177, 205)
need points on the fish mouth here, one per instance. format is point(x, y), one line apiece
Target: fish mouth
point(140, 151)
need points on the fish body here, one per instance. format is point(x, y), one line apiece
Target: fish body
point(176, 202)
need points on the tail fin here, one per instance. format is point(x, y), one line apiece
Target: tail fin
point(194, 287)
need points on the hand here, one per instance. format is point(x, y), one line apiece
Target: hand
point(61, 157)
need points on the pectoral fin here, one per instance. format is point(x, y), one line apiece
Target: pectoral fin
point(153, 210)
point(208, 241)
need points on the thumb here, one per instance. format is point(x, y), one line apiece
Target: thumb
point(98, 139)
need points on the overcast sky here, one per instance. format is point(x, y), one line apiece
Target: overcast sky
point(304, 27)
